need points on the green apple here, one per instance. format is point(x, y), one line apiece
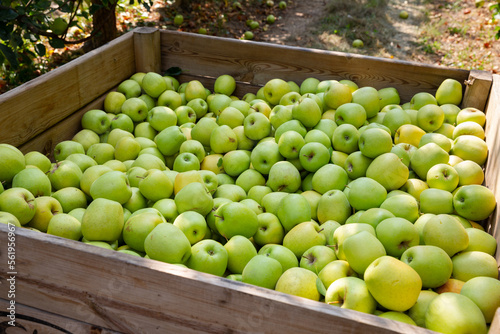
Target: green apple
point(397, 235)
point(374, 216)
point(350, 293)
point(96, 120)
point(34, 180)
point(66, 147)
point(224, 84)
point(155, 185)
point(113, 102)
point(409, 134)
point(11, 220)
point(369, 98)
point(274, 90)
point(427, 156)
point(113, 185)
point(431, 262)
point(135, 108)
point(361, 249)
point(436, 201)
point(468, 128)
point(136, 202)
point(345, 138)
point(404, 206)
point(292, 210)
point(153, 84)
point(170, 99)
point(63, 174)
point(303, 236)
point(289, 99)
point(394, 284)
point(421, 99)
point(450, 113)
point(351, 113)
point(442, 176)
point(192, 224)
point(480, 240)
point(388, 96)
point(388, 170)
point(446, 232)
point(101, 152)
point(45, 208)
point(335, 270)
point(230, 191)
point(485, 293)
point(240, 250)
point(446, 130)
point(398, 316)
point(170, 140)
point(256, 126)
point(309, 85)
point(231, 117)
point(470, 264)
point(70, 198)
point(432, 137)
point(299, 282)
point(374, 142)
point(307, 112)
point(366, 193)
point(280, 114)
point(130, 88)
point(336, 95)
point(395, 117)
point(334, 205)
point(236, 219)
point(103, 220)
point(65, 226)
point(454, 313)
point(313, 156)
point(262, 270)
point(223, 139)
point(161, 117)
point(449, 91)
point(284, 176)
point(356, 164)
point(167, 243)
point(138, 226)
point(269, 231)
point(417, 311)
point(167, 208)
point(430, 117)
point(469, 147)
point(249, 179)
point(315, 135)
point(35, 158)
point(471, 114)
point(196, 197)
point(264, 156)
point(186, 161)
point(294, 125)
point(474, 202)
point(283, 255)
point(257, 192)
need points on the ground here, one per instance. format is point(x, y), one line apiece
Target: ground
point(451, 33)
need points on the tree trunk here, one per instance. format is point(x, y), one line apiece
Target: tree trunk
point(104, 25)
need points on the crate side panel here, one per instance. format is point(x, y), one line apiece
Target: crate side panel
point(257, 62)
point(36, 105)
point(134, 295)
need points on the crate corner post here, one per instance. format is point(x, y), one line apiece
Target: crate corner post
point(147, 49)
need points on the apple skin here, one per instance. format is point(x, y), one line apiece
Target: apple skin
point(34, 180)
point(485, 293)
point(350, 293)
point(417, 311)
point(470, 147)
point(467, 265)
point(317, 257)
point(103, 220)
point(20, 202)
point(397, 235)
point(208, 256)
point(394, 284)
point(361, 249)
point(431, 262)
point(449, 91)
point(293, 209)
point(236, 219)
point(388, 170)
point(303, 236)
point(299, 282)
point(446, 232)
point(366, 193)
point(334, 205)
point(262, 270)
point(167, 243)
point(454, 313)
point(482, 241)
point(474, 202)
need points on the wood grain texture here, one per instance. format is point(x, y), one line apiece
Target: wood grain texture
point(257, 62)
point(495, 324)
point(477, 89)
point(134, 295)
point(33, 320)
point(37, 105)
point(147, 49)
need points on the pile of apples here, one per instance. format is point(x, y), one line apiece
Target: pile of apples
point(319, 189)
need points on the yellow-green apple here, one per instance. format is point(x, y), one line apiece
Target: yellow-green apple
point(96, 120)
point(66, 147)
point(231, 117)
point(170, 140)
point(167, 208)
point(374, 216)
point(195, 89)
point(374, 142)
point(365, 193)
point(194, 196)
point(430, 117)
point(283, 255)
point(218, 102)
point(468, 128)
point(113, 102)
point(101, 152)
point(292, 210)
point(398, 316)
point(290, 125)
point(417, 311)
point(167, 243)
point(223, 139)
point(138, 226)
point(394, 284)
point(264, 156)
point(135, 108)
point(388, 170)
point(92, 173)
point(471, 114)
point(470, 264)
point(356, 164)
point(343, 232)
point(336, 95)
point(446, 130)
point(194, 147)
point(388, 96)
point(130, 88)
point(309, 85)
point(35, 158)
point(397, 235)
point(450, 113)
point(136, 202)
point(303, 236)
point(63, 174)
point(409, 134)
point(335, 270)
point(328, 126)
point(127, 149)
point(70, 198)
point(199, 106)
point(257, 192)
point(436, 201)
point(250, 178)
point(427, 156)
point(65, 226)
point(230, 191)
point(431, 262)
point(315, 135)
point(446, 232)
point(474, 202)
point(244, 143)
point(253, 205)
point(161, 117)
point(9, 219)
point(153, 84)
point(350, 293)
point(317, 257)
point(469, 147)
point(485, 293)
point(307, 112)
point(421, 99)
point(432, 137)
point(45, 208)
point(236, 219)
point(261, 107)
point(313, 156)
point(284, 176)
point(403, 205)
point(280, 114)
point(361, 249)
point(290, 143)
point(345, 138)
point(34, 180)
point(186, 161)
point(262, 271)
point(449, 91)
point(334, 205)
point(442, 176)
point(329, 177)
point(210, 180)
point(203, 129)
point(480, 240)
point(82, 160)
point(369, 98)
point(236, 162)
point(224, 84)
point(240, 250)
point(299, 282)
point(150, 102)
point(454, 313)
point(289, 99)
point(103, 220)
point(395, 117)
point(113, 185)
point(192, 224)
point(274, 89)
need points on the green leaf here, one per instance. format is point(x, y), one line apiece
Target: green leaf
point(219, 162)
point(320, 286)
point(56, 43)
point(173, 71)
point(8, 14)
point(9, 55)
point(40, 49)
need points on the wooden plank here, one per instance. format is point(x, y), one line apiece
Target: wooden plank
point(477, 88)
point(33, 320)
point(257, 62)
point(495, 324)
point(134, 295)
point(147, 49)
point(29, 109)
point(492, 180)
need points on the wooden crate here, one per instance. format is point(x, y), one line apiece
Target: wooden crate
point(64, 286)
